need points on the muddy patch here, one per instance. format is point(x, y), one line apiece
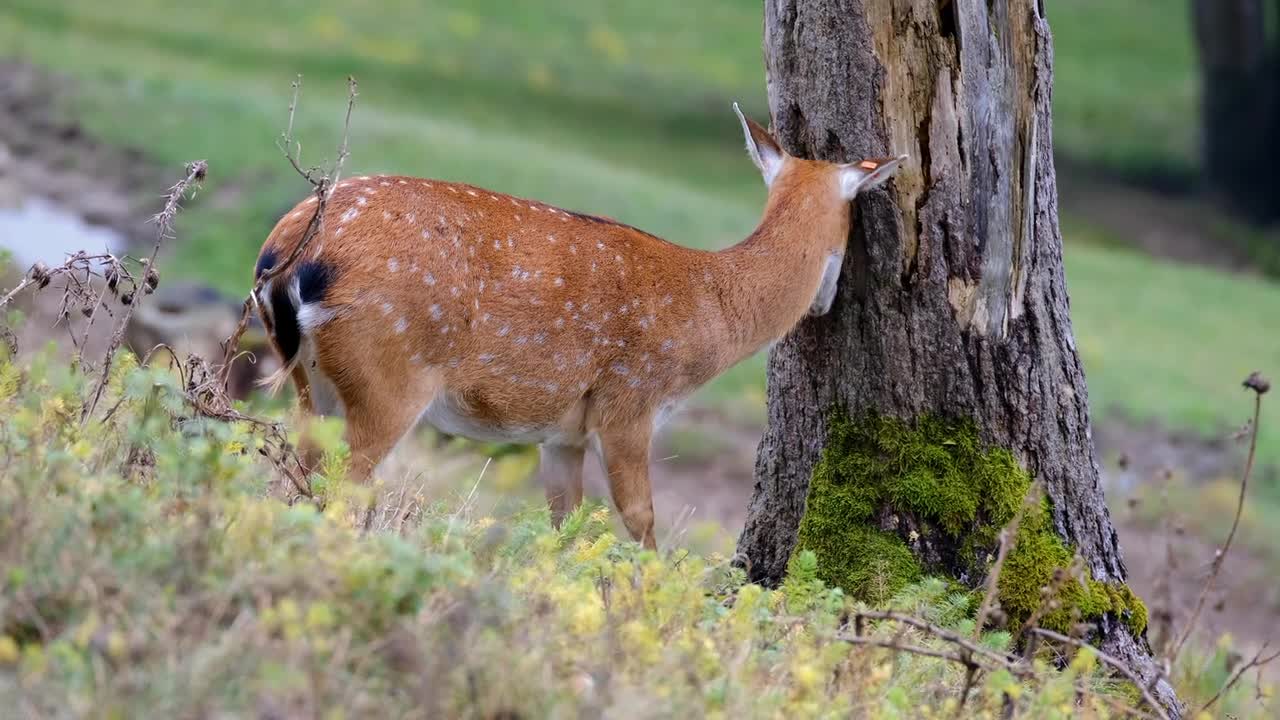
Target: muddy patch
point(57, 182)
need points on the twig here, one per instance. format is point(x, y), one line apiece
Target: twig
point(1008, 536)
point(1260, 386)
point(323, 187)
point(1048, 600)
point(196, 172)
point(1109, 660)
point(1257, 662)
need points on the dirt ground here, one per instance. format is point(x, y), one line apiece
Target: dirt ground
point(44, 154)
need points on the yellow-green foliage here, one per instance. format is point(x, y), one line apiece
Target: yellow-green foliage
point(150, 570)
point(940, 473)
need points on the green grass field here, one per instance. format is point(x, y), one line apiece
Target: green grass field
point(624, 110)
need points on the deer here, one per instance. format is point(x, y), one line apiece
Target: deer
point(500, 318)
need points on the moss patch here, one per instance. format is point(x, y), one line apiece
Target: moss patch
point(890, 502)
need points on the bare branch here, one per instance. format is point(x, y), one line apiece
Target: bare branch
point(1258, 661)
point(1119, 666)
point(1260, 386)
point(323, 187)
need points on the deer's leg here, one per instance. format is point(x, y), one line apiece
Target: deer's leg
point(378, 416)
point(625, 455)
point(560, 470)
point(308, 453)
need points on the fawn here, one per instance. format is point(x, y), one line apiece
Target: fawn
point(504, 319)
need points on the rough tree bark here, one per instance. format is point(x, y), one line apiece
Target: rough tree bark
point(952, 298)
point(1240, 104)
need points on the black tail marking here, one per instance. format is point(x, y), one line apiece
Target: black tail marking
point(284, 318)
point(265, 263)
point(314, 279)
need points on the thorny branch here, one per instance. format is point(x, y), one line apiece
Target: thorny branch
point(196, 172)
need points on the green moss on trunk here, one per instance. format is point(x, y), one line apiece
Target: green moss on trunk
point(890, 502)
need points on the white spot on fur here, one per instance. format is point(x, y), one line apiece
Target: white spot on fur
point(386, 215)
point(429, 278)
point(502, 331)
point(416, 359)
point(558, 282)
point(362, 201)
point(402, 182)
point(599, 245)
point(472, 193)
point(384, 183)
point(349, 215)
point(559, 323)
point(393, 265)
point(619, 369)
point(401, 325)
point(453, 190)
point(453, 291)
point(573, 249)
point(436, 314)
point(485, 358)
point(667, 345)
point(387, 309)
point(522, 340)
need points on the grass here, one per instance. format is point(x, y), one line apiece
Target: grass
point(624, 110)
point(1126, 86)
point(152, 567)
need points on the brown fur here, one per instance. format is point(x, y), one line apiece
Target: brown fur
point(525, 319)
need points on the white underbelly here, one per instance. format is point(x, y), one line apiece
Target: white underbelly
point(446, 416)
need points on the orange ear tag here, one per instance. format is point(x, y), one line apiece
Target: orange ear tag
point(868, 165)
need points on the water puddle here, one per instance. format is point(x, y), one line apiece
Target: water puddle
point(39, 230)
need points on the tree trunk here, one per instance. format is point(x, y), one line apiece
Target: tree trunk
point(1238, 105)
point(952, 300)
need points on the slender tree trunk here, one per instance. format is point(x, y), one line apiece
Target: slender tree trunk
point(1239, 105)
point(952, 299)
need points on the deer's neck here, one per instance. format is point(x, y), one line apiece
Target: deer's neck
point(768, 282)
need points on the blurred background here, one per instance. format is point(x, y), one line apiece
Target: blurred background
point(1166, 114)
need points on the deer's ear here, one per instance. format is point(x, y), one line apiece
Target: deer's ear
point(764, 152)
point(866, 174)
